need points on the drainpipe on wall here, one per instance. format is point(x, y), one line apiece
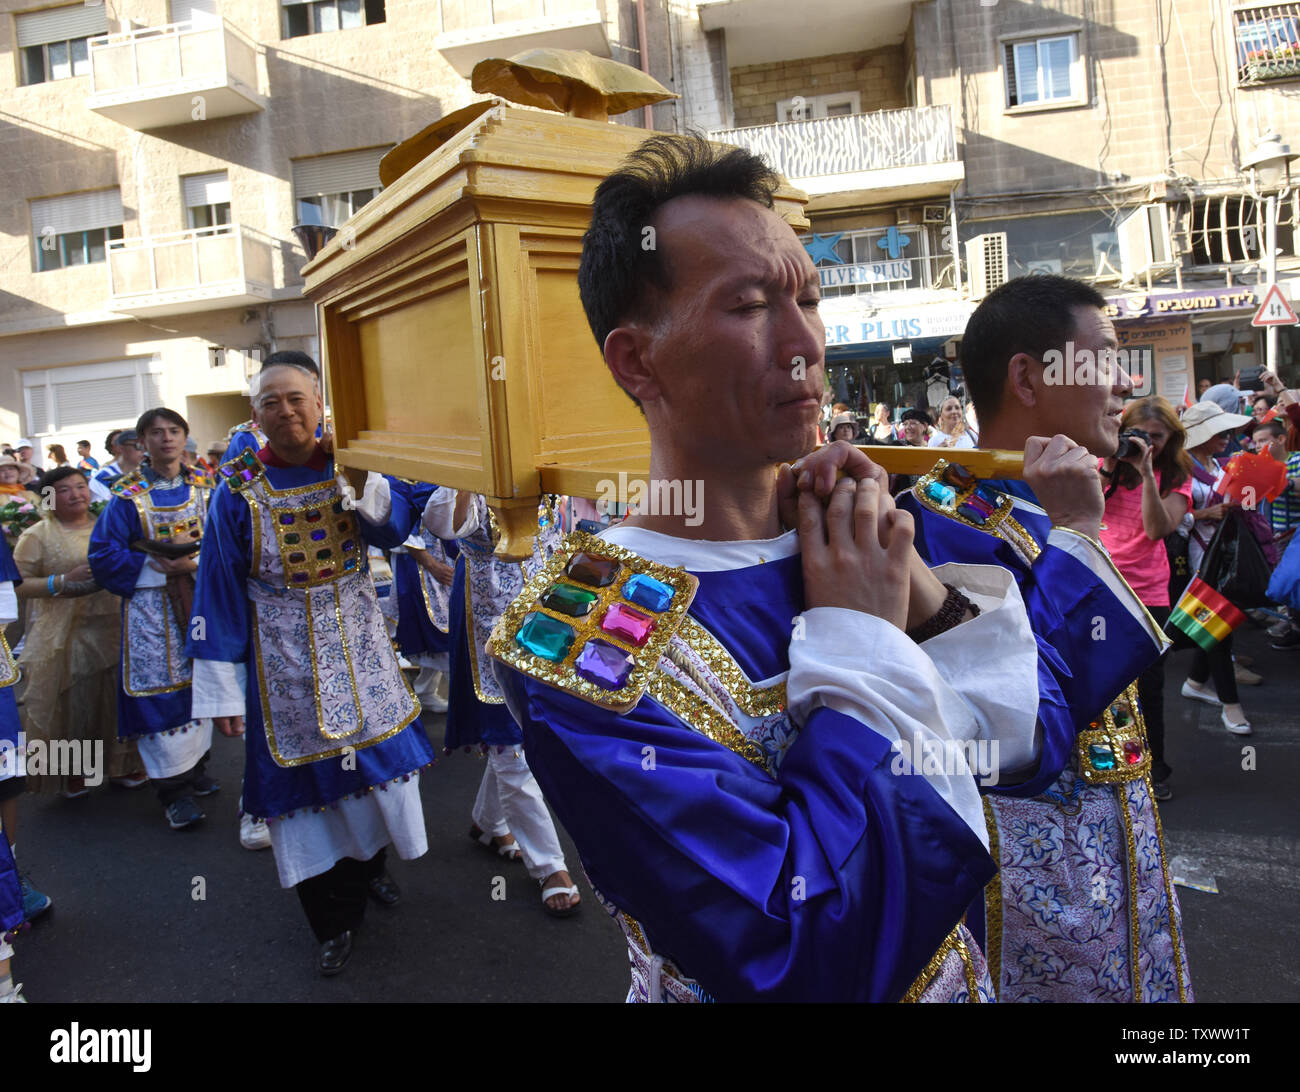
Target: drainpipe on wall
point(649, 117)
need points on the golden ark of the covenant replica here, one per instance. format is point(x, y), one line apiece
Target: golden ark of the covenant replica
point(456, 349)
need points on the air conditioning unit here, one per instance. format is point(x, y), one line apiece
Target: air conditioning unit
point(934, 214)
point(986, 263)
point(903, 216)
point(1144, 242)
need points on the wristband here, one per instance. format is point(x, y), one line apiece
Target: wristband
point(950, 614)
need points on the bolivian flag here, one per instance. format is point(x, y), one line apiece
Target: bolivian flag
point(1204, 615)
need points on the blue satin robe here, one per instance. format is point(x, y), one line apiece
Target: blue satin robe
point(705, 851)
point(221, 600)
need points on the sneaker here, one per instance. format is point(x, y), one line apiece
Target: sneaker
point(14, 996)
point(1279, 629)
point(76, 789)
point(1289, 641)
point(1246, 677)
point(253, 833)
point(1241, 728)
point(1243, 659)
point(203, 785)
point(1161, 791)
point(1193, 691)
point(132, 780)
point(35, 903)
point(183, 813)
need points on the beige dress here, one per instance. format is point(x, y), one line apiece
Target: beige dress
point(70, 656)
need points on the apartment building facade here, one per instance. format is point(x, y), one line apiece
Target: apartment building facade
point(951, 144)
point(159, 153)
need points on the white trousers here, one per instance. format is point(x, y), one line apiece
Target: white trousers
point(510, 802)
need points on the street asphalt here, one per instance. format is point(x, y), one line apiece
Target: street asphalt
point(126, 926)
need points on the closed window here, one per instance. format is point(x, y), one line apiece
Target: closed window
point(207, 199)
point(321, 16)
point(1043, 71)
point(328, 189)
point(88, 396)
point(75, 229)
point(54, 44)
point(806, 108)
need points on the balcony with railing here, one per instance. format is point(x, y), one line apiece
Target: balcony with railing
point(765, 31)
point(886, 156)
point(529, 24)
point(203, 269)
point(174, 74)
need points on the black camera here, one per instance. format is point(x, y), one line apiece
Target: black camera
point(1127, 447)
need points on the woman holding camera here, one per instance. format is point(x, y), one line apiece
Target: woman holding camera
point(1148, 489)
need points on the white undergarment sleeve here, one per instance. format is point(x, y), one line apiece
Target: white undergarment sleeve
point(8, 603)
point(441, 510)
point(863, 667)
point(312, 842)
point(376, 503)
point(219, 689)
point(150, 577)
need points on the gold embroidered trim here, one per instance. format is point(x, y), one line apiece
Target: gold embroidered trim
point(1001, 524)
point(172, 669)
point(923, 980)
point(561, 674)
point(10, 665)
point(1134, 928)
point(754, 700)
point(424, 579)
point(1169, 899)
point(472, 641)
point(281, 760)
point(968, 969)
point(704, 718)
point(993, 899)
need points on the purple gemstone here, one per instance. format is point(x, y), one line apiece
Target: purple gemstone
point(316, 536)
point(606, 665)
point(300, 578)
point(247, 475)
point(347, 544)
point(286, 518)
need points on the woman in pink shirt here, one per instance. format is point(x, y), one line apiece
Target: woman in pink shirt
point(1147, 495)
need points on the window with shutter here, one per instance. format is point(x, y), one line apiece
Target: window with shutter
point(53, 44)
point(322, 16)
point(1043, 72)
point(75, 229)
point(327, 189)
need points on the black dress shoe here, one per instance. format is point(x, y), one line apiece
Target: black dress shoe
point(384, 890)
point(334, 954)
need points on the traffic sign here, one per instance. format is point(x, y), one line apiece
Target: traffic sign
point(1275, 310)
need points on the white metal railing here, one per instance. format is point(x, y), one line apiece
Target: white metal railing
point(153, 56)
point(913, 137)
point(229, 256)
point(1267, 42)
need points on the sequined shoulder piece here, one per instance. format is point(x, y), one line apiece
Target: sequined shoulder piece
point(246, 426)
point(242, 471)
point(195, 476)
point(131, 485)
point(953, 491)
point(594, 621)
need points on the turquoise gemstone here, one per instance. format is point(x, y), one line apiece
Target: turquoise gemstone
point(941, 494)
point(646, 591)
point(1101, 756)
point(546, 637)
point(566, 599)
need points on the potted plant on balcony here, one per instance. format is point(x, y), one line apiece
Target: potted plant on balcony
point(1278, 63)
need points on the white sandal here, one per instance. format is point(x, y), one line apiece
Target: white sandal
point(1241, 729)
point(568, 911)
point(510, 850)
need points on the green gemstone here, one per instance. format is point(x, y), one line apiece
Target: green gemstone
point(566, 599)
point(546, 637)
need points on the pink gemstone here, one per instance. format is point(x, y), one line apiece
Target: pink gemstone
point(631, 625)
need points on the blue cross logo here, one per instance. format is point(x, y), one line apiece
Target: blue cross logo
point(893, 243)
point(822, 248)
